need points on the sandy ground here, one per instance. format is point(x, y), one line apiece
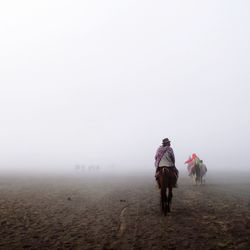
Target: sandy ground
point(121, 213)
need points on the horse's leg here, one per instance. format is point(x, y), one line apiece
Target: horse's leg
point(163, 199)
point(203, 179)
point(163, 194)
point(162, 191)
point(194, 178)
point(169, 197)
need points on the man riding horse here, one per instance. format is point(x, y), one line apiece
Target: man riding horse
point(165, 158)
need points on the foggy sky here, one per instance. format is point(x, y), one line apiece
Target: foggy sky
point(103, 82)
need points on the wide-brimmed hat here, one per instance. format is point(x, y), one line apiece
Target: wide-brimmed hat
point(165, 140)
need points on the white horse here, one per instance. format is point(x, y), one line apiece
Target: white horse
point(197, 171)
point(200, 171)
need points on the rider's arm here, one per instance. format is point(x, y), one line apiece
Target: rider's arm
point(172, 156)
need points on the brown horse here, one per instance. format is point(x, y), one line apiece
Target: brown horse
point(167, 180)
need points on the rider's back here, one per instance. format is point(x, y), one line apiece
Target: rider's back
point(167, 158)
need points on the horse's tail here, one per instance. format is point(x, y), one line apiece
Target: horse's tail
point(165, 178)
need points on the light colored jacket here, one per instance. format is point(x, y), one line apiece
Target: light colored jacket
point(168, 159)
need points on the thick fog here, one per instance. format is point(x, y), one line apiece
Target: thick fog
point(103, 82)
